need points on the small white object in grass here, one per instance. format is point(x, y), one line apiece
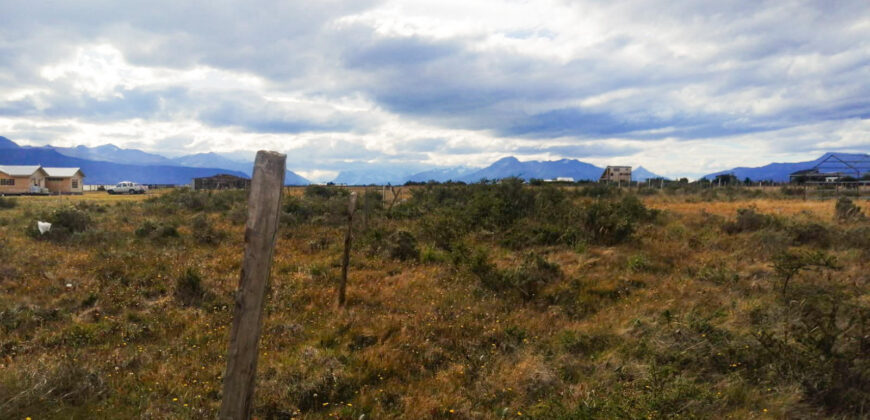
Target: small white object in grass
point(69, 285)
point(43, 227)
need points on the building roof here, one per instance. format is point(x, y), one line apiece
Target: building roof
point(62, 172)
point(815, 172)
point(223, 176)
point(19, 170)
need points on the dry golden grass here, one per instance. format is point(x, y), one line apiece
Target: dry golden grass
point(633, 330)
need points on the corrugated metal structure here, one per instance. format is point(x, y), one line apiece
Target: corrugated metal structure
point(221, 182)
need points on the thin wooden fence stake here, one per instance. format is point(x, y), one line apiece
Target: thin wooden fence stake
point(345, 261)
point(264, 203)
point(366, 208)
point(395, 198)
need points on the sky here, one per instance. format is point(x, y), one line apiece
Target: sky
point(682, 88)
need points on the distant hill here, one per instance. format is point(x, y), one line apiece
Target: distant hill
point(374, 174)
point(204, 160)
point(642, 174)
point(7, 144)
point(779, 172)
point(453, 173)
point(100, 172)
point(112, 153)
point(115, 154)
point(512, 167)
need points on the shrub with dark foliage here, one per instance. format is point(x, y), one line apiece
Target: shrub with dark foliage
point(748, 220)
point(8, 203)
point(403, 246)
point(847, 211)
point(65, 221)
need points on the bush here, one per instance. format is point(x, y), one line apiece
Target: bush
point(325, 192)
point(72, 219)
point(69, 383)
point(526, 280)
point(443, 228)
point(188, 288)
point(821, 346)
point(207, 201)
point(8, 203)
point(599, 190)
point(204, 232)
point(403, 246)
point(613, 222)
point(167, 231)
point(847, 211)
point(748, 220)
point(810, 233)
point(858, 237)
point(65, 221)
point(145, 229)
point(533, 273)
point(789, 264)
point(150, 229)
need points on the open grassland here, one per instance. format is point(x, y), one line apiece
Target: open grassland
point(483, 301)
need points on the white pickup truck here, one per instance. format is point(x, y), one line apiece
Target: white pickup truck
point(127, 187)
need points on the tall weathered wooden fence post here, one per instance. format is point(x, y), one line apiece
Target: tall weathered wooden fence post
point(264, 203)
point(345, 261)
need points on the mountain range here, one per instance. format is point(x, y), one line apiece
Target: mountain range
point(513, 167)
point(779, 172)
point(108, 164)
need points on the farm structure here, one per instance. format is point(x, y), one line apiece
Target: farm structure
point(64, 180)
point(21, 179)
point(834, 169)
point(617, 174)
point(221, 182)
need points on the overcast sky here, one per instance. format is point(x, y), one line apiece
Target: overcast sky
point(682, 88)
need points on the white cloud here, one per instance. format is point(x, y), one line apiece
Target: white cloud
point(683, 88)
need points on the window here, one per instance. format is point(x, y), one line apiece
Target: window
point(9, 181)
point(75, 183)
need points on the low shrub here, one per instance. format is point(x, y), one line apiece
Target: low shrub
point(191, 200)
point(403, 246)
point(443, 229)
point(599, 191)
point(748, 220)
point(150, 229)
point(188, 288)
point(613, 222)
point(69, 383)
point(821, 346)
point(145, 229)
point(65, 221)
point(810, 233)
point(8, 203)
point(847, 211)
point(526, 279)
point(204, 231)
point(858, 237)
point(789, 264)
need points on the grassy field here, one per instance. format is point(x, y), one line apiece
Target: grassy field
point(465, 302)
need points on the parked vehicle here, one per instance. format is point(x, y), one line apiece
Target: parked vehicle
point(127, 187)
